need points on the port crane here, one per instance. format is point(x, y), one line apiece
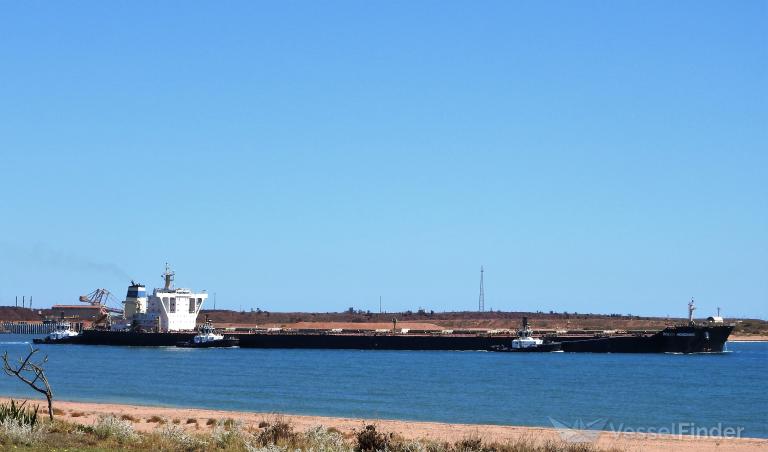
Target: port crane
point(102, 298)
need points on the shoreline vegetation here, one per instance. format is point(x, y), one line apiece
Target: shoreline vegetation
point(108, 426)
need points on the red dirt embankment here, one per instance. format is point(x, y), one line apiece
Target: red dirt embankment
point(447, 320)
point(14, 314)
point(423, 320)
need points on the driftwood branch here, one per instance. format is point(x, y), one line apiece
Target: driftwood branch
point(32, 373)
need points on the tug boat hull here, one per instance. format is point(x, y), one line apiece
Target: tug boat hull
point(541, 348)
point(220, 343)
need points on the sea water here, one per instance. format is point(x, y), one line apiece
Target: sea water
point(628, 392)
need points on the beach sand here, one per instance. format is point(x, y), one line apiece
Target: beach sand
point(87, 413)
point(748, 338)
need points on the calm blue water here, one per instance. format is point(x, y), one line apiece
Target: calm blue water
point(639, 391)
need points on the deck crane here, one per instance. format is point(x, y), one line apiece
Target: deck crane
point(103, 299)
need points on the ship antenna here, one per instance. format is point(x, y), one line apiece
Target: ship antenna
point(481, 299)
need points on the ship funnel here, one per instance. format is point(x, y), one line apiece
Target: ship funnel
point(525, 323)
point(135, 301)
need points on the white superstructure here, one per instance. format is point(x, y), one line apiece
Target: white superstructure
point(62, 331)
point(207, 334)
point(525, 338)
point(167, 309)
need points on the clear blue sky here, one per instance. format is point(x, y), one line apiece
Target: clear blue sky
point(593, 156)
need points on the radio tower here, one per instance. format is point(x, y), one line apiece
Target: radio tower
point(481, 299)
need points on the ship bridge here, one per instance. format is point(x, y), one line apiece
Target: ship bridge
point(171, 309)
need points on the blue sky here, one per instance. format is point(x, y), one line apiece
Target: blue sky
point(593, 156)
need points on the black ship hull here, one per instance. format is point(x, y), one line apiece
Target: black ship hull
point(682, 339)
point(132, 339)
point(305, 340)
point(678, 339)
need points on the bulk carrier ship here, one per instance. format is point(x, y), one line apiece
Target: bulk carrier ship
point(169, 316)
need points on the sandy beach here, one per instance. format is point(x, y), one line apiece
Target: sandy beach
point(748, 338)
point(142, 419)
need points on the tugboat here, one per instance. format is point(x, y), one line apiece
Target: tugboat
point(207, 338)
point(525, 342)
point(61, 334)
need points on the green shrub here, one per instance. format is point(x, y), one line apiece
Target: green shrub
point(470, 444)
point(112, 427)
point(278, 433)
point(13, 432)
point(369, 440)
point(227, 434)
point(18, 413)
point(175, 437)
point(320, 439)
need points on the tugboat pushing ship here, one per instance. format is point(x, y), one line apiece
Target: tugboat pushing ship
point(61, 334)
point(208, 338)
point(168, 317)
point(525, 342)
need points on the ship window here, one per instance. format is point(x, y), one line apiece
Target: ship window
point(172, 308)
point(191, 305)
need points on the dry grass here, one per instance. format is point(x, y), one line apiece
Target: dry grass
point(128, 417)
point(111, 433)
point(76, 414)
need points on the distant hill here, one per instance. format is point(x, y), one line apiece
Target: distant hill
point(483, 320)
point(458, 320)
point(421, 320)
point(14, 314)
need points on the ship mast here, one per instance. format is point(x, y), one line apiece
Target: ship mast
point(691, 308)
point(168, 277)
